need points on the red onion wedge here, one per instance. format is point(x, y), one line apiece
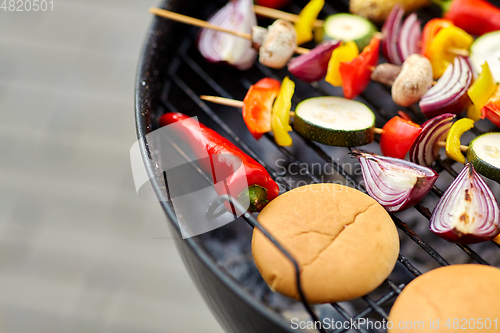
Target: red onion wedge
point(394, 183)
point(312, 66)
point(390, 31)
point(449, 95)
point(216, 46)
point(400, 40)
point(424, 150)
point(409, 37)
point(468, 211)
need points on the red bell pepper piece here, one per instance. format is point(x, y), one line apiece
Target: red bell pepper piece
point(477, 17)
point(356, 74)
point(430, 30)
point(276, 4)
point(258, 104)
point(491, 109)
point(492, 112)
point(397, 137)
point(203, 140)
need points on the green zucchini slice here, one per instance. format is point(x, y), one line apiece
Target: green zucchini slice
point(484, 154)
point(335, 121)
point(487, 48)
point(349, 27)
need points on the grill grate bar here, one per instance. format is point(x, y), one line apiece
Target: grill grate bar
point(347, 317)
point(402, 259)
point(416, 238)
point(396, 289)
point(376, 307)
point(382, 300)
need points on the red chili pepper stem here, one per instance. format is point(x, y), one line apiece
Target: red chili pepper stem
point(256, 196)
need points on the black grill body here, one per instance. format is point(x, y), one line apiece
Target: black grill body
point(171, 76)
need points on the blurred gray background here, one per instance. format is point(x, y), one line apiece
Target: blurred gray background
point(79, 251)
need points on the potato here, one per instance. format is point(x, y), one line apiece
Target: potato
point(413, 81)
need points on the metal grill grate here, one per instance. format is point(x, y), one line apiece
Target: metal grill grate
point(190, 76)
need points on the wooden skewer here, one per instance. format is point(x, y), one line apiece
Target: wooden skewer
point(278, 14)
point(229, 102)
point(239, 104)
point(443, 144)
point(457, 51)
point(204, 24)
point(222, 101)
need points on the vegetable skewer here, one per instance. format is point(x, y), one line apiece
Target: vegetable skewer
point(239, 104)
point(352, 75)
point(278, 14)
point(204, 24)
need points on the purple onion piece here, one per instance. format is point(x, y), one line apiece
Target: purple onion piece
point(313, 66)
point(443, 81)
point(216, 46)
point(424, 150)
point(449, 95)
point(390, 30)
point(386, 33)
point(468, 211)
point(409, 36)
point(415, 36)
point(394, 183)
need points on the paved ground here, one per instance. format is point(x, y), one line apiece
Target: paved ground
point(79, 252)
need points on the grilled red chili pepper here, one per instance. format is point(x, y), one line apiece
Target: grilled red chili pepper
point(356, 73)
point(225, 159)
point(258, 104)
point(477, 17)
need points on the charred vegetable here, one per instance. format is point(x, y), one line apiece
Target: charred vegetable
point(468, 211)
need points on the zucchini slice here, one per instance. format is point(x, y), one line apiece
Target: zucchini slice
point(487, 48)
point(335, 121)
point(349, 27)
point(484, 154)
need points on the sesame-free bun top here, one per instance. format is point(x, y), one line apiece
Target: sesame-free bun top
point(345, 243)
point(463, 292)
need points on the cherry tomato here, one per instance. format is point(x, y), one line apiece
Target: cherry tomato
point(397, 137)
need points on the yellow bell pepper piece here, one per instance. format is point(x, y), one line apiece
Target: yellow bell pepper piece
point(344, 53)
point(280, 114)
point(319, 34)
point(453, 138)
point(307, 16)
point(481, 91)
point(472, 113)
point(439, 49)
